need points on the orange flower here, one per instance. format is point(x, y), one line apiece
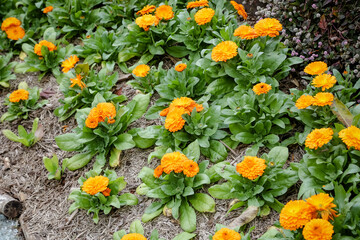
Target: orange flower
point(91, 122)
point(180, 67)
point(204, 16)
point(133, 236)
point(304, 101)
point(69, 63)
point(325, 81)
point(48, 9)
point(199, 3)
point(173, 162)
point(49, 45)
point(323, 204)
point(318, 138)
point(10, 22)
point(106, 110)
point(226, 234)
point(251, 167)
point(15, 33)
point(224, 51)
point(187, 103)
point(164, 12)
point(106, 193)
point(146, 10)
point(318, 229)
point(351, 137)
point(240, 9)
point(316, 68)
point(174, 121)
point(93, 185)
point(146, 21)
point(246, 32)
point(18, 95)
point(88, 36)
point(77, 81)
point(164, 112)
point(323, 99)
point(268, 27)
point(191, 168)
point(141, 70)
point(261, 88)
point(295, 214)
point(158, 171)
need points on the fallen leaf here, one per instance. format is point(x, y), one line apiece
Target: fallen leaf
point(247, 216)
point(323, 23)
point(342, 112)
point(39, 133)
point(47, 93)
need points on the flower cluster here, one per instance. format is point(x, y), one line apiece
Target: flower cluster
point(320, 99)
point(178, 163)
point(198, 3)
point(313, 214)
point(37, 49)
point(94, 185)
point(264, 27)
point(18, 95)
point(146, 20)
point(100, 113)
point(251, 167)
point(226, 234)
point(12, 28)
point(179, 106)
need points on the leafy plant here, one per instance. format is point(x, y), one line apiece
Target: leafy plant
point(52, 165)
point(107, 139)
point(136, 227)
point(5, 70)
point(101, 201)
point(257, 118)
point(175, 191)
point(22, 108)
point(27, 139)
point(146, 84)
point(263, 190)
point(96, 83)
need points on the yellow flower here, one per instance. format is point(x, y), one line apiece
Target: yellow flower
point(69, 63)
point(141, 70)
point(316, 68)
point(246, 32)
point(133, 236)
point(295, 214)
point(77, 81)
point(18, 95)
point(164, 12)
point(37, 49)
point(226, 234)
point(251, 167)
point(351, 137)
point(318, 229)
point(318, 138)
point(325, 81)
point(324, 205)
point(146, 10)
point(240, 9)
point(48, 9)
point(304, 101)
point(191, 168)
point(224, 51)
point(199, 3)
point(261, 88)
point(94, 185)
point(204, 16)
point(15, 33)
point(323, 99)
point(268, 27)
point(10, 22)
point(146, 21)
point(180, 67)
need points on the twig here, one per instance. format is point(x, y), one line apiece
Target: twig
point(125, 77)
point(71, 217)
point(228, 148)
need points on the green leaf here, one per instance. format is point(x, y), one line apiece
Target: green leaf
point(184, 236)
point(124, 142)
point(11, 136)
point(245, 137)
point(141, 104)
point(114, 159)
point(136, 227)
point(149, 216)
point(187, 217)
point(79, 160)
point(128, 199)
point(117, 185)
point(68, 142)
point(222, 191)
point(217, 151)
point(279, 155)
point(51, 164)
point(119, 235)
point(192, 151)
point(202, 202)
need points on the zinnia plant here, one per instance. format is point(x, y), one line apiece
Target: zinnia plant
point(101, 132)
point(21, 102)
point(100, 193)
point(174, 182)
point(255, 181)
point(145, 79)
